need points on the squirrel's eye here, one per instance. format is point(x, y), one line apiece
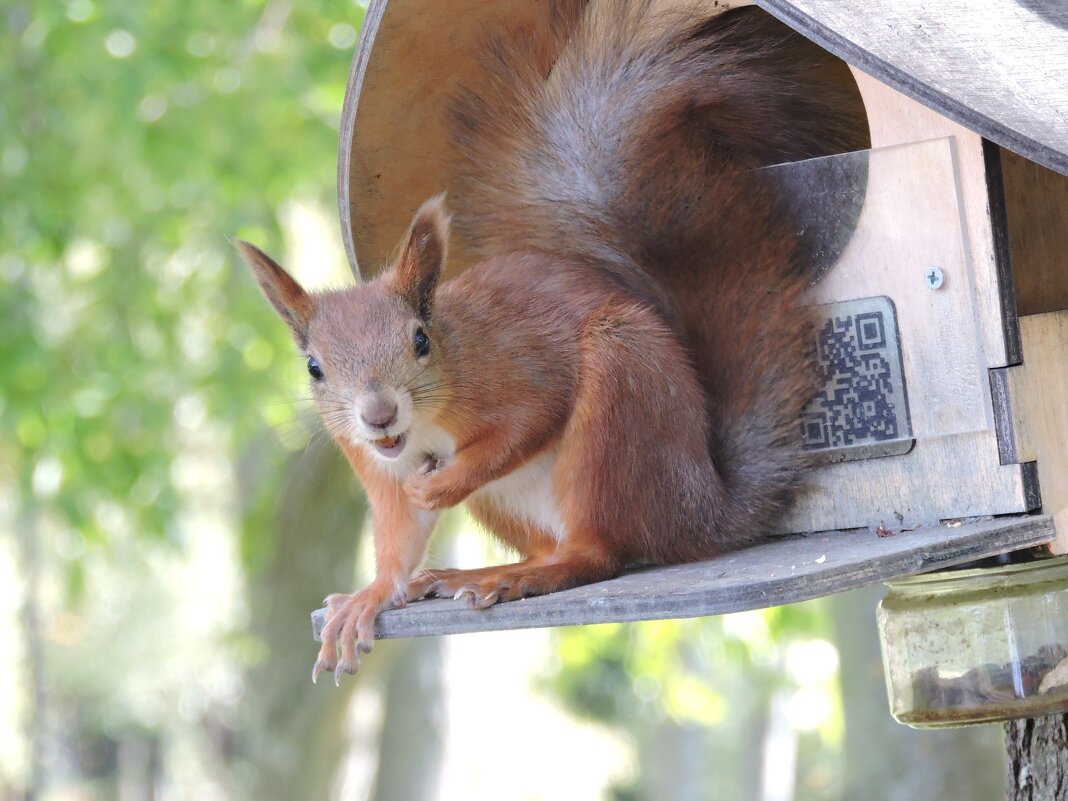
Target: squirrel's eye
point(314, 370)
point(422, 343)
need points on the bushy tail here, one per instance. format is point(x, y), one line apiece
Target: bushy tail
point(578, 136)
point(624, 141)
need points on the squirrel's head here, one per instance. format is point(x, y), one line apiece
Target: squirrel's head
point(372, 350)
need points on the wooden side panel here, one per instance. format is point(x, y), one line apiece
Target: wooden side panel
point(1038, 391)
point(912, 220)
point(1036, 207)
point(955, 476)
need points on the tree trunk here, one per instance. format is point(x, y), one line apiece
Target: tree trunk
point(1037, 759)
point(295, 736)
point(35, 724)
point(410, 743)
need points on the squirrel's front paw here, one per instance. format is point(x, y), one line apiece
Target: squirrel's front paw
point(431, 464)
point(350, 627)
point(434, 489)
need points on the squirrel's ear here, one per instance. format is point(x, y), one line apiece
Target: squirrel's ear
point(290, 301)
point(422, 256)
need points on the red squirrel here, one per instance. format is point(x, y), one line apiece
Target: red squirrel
point(618, 380)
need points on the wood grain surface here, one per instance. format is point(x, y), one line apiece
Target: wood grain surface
point(1038, 391)
point(998, 67)
point(786, 571)
point(894, 119)
point(915, 216)
point(1036, 207)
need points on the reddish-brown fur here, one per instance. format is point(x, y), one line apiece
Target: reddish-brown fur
point(634, 326)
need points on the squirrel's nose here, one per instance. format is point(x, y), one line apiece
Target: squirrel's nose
point(380, 414)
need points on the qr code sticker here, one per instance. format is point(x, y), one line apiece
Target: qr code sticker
point(861, 410)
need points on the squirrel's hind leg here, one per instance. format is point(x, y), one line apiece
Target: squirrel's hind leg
point(539, 575)
point(632, 477)
point(634, 472)
point(444, 582)
point(548, 567)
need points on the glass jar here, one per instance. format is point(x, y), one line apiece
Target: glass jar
point(977, 645)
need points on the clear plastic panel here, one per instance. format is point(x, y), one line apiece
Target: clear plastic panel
point(899, 346)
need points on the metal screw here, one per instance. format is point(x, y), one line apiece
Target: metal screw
point(934, 278)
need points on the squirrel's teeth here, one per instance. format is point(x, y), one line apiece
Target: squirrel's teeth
point(390, 447)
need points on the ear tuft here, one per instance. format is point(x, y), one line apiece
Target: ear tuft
point(422, 256)
point(292, 303)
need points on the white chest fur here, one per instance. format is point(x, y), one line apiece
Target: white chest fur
point(527, 494)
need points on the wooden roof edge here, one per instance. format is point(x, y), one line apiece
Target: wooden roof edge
point(952, 107)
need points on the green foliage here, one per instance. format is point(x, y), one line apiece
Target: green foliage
point(134, 139)
point(711, 683)
point(141, 372)
point(671, 668)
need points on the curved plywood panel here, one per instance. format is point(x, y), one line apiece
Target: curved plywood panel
point(998, 67)
point(393, 149)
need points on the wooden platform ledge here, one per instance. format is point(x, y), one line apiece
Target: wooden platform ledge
point(792, 569)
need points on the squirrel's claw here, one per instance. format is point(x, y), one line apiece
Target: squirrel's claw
point(431, 464)
point(350, 665)
point(320, 665)
point(436, 489)
point(475, 600)
point(345, 667)
point(467, 593)
point(350, 628)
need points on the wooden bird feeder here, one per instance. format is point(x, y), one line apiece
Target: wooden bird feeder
point(944, 419)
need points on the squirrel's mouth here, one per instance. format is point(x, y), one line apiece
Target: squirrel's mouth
point(390, 447)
